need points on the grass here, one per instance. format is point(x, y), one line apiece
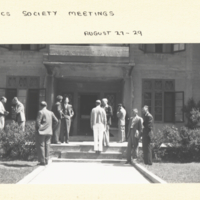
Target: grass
point(14, 171)
point(176, 172)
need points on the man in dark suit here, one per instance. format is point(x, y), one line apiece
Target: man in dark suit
point(147, 135)
point(44, 121)
point(57, 110)
point(109, 113)
point(134, 133)
point(68, 113)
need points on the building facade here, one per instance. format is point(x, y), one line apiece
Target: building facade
point(162, 76)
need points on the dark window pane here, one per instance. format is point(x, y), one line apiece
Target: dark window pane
point(158, 84)
point(179, 102)
point(169, 107)
point(147, 95)
point(148, 85)
point(158, 117)
point(25, 47)
point(150, 48)
point(158, 48)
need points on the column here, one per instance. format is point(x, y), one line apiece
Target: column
point(50, 91)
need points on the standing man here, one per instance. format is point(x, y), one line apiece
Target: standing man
point(109, 113)
point(20, 114)
point(147, 135)
point(121, 114)
point(134, 134)
point(3, 112)
point(98, 123)
point(44, 121)
point(57, 110)
point(68, 113)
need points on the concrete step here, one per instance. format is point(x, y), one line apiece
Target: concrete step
point(92, 155)
point(90, 160)
point(80, 138)
point(87, 147)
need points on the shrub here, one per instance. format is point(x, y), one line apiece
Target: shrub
point(192, 114)
point(17, 144)
point(183, 144)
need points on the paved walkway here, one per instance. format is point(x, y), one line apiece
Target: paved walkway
point(88, 173)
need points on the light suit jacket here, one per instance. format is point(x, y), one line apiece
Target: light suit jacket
point(98, 116)
point(44, 122)
point(121, 114)
point(19, 109)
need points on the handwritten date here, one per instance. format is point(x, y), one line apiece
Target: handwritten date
point(119, 33)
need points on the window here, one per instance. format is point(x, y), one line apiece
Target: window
point(164, 102)
point(162, 48)
point(24, 47)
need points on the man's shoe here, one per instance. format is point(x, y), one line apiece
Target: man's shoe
point(57, 142)
point(41, 164)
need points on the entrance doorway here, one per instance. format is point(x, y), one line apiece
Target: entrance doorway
point(87, 102)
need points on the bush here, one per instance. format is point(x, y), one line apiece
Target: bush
point(191, 111)
point(182, 145)
point(17, 144)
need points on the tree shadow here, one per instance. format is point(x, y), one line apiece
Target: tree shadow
point(16, 165)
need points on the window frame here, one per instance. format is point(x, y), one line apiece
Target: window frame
point(143, 47)
point(163, 91)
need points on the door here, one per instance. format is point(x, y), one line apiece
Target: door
point(87, 103)
point(33, 104)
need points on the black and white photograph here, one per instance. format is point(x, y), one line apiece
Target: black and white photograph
point(99, 113)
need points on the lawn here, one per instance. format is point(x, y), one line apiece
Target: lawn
point(14, 171)
point(176, 172)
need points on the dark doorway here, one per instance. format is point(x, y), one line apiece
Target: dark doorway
point(87, 102)
point(33, 104)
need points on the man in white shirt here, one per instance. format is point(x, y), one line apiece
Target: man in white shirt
point(98, 123)
point(3, 112)
point(121, 114)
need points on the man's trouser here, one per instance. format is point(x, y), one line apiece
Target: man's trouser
point(132, 146)
point(56, 132)
point(43, 147)
point(2, 122)
point(147, 148)
point(65, 129)
point(121, 133)
point(98, 130)
point(22, 125)
point(106, 136)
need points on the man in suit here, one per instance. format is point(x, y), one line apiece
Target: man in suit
point(109, 113)
point(20, 113)
point(98, 123)
point(57, 110)
point(134, 133)
point(44, 121)
point(3, 112)
point(147, 135)
point(68, 113)
point(121, 114)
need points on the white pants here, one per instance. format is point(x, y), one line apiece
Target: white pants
point(2, 122)
point(98, 130)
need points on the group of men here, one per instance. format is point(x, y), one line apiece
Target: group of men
point(18, 109)
point(137, 127)
point(49, 125)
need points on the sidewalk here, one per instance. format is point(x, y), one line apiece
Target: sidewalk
point(87, 173)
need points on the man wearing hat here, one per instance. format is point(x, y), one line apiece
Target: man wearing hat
point(98, 123)
point(20, 113)
point(44, 122)
point(121, 114)
point(57, 110)
point(3, 112)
